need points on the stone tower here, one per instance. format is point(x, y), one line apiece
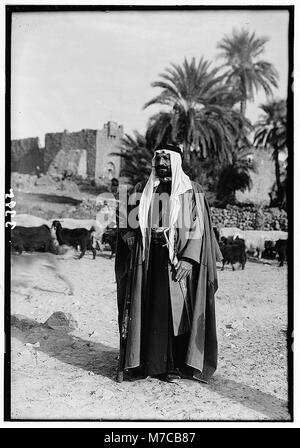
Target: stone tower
point(108, 141)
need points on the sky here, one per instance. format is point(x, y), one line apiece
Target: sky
point(77, 70)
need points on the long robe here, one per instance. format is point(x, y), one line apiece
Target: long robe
point(161, 351)
point(198, 318)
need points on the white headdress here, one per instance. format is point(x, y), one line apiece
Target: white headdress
point(180, 184)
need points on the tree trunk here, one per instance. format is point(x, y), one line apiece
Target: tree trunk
point(232, 198)
point(186, 153)
point(243, 91)
point(243, 107)
point(277, 175)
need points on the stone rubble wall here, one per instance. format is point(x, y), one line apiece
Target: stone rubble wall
point(250, 218)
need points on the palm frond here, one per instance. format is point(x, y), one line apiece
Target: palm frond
point(241, 51)
point(199, 114)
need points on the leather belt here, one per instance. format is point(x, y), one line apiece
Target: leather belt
point(157, 235)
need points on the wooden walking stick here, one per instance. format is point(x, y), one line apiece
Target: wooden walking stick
point(125, 318)
point(181, 283)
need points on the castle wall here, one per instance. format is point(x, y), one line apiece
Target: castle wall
point(71, 161)
point(67, 141)
point(53, 144)
point(26, 155)
point(97, 144)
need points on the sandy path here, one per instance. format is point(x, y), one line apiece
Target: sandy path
point(71, 376)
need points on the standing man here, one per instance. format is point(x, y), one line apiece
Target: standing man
point(171, 256)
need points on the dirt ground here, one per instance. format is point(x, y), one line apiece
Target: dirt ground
point(72, 376)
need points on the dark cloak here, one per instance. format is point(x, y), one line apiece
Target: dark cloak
point(201, 353)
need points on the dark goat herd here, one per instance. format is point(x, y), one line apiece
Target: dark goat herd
point(234, 244)
point(234, 249)
point(45, 239)
point(52, 240)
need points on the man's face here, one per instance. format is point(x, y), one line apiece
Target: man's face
point(162, 162)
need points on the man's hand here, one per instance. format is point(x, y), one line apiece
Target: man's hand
point(184, 269)
point(130, 242)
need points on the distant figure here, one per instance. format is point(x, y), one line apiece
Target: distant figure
point(114, 186)
point(38, 171)
point(105, 211)
point(67, 174)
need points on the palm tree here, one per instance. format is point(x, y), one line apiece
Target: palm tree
point(199, 114)
point(246, 71)
point(136, 156)
point(271, 133)
point(235, 176)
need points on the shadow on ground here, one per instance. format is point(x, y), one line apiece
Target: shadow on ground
point(50, 198)
point(82, 353)
point(272, 407)
point(102, 360)
point(106, 255)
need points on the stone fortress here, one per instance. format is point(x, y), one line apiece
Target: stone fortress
point(86, 153)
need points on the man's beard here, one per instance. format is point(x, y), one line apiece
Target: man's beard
point(163, 173)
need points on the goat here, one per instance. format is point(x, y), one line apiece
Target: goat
point(75, 237)
point(281, 248)
point(33, 239)
point(233, 251)
point(110, 237)
point(24, 270)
